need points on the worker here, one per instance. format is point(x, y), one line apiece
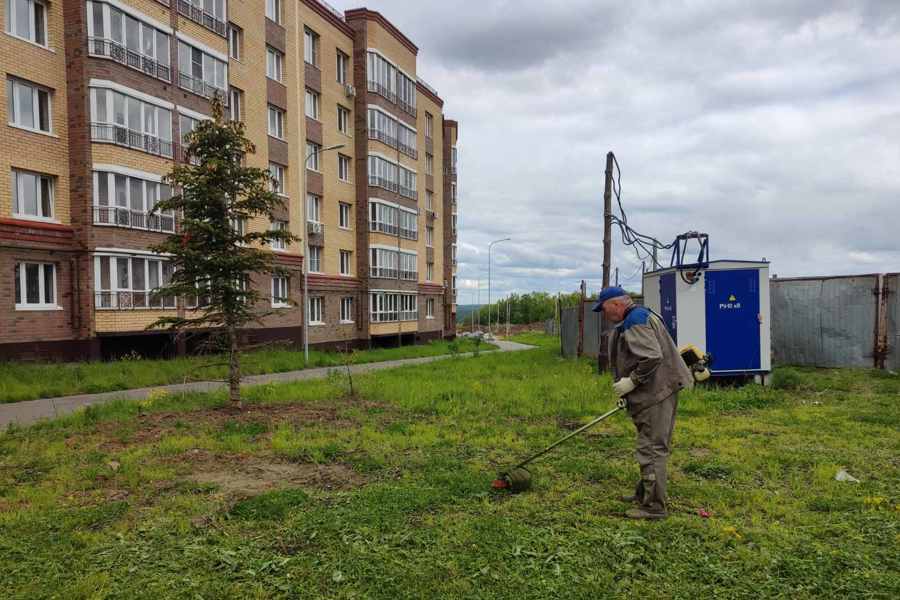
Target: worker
point(647, 373)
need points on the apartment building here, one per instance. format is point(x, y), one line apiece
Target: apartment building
point(98, 95)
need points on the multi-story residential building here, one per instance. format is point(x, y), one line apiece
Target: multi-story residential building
point(98, 95)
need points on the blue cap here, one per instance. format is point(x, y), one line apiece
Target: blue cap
point(608, 294)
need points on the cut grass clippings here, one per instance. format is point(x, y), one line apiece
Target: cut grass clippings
point(387, 494)
point(29, 381)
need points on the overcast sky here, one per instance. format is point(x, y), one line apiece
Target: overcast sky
point(772, 125)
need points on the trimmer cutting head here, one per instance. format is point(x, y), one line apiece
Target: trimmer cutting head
point(516, 480)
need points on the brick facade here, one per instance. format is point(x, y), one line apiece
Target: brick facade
point(75, 328)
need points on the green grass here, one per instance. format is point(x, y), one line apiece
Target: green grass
point(28, 381)
point(110, 504)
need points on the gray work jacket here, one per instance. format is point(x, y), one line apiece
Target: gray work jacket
point(640, 347)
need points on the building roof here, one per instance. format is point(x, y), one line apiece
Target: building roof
point(371, 15)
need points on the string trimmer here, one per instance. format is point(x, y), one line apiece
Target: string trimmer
point(518, 478)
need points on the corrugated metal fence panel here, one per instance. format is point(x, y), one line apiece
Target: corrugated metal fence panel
point(568, 326)
point(892, 287)
point(824, 322)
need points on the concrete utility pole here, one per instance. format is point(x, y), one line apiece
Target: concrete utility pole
point(607, 219)
point(617, 275)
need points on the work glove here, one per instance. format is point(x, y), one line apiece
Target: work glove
point(624, 386)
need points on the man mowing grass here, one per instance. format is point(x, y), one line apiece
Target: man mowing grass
point(648, 373)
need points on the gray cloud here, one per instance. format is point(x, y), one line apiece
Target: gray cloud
point(771, 125)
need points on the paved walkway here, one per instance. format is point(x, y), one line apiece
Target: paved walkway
point(31, 411)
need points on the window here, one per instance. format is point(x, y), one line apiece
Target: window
point(429, 236)
point(453, 192)
point(346, 255)
point(409, 225)
point(27, 19)
point(236, 104)
point(35, 285)
point(279, 244)
point(311, 46)
point(312, 155)
point(127, 201)
point(344, 168)
point(277, 173)
point(125, 282)
point(429, 200)
point(127, 40)
point(316, 310)
point(273, 10)
point(315, 259)
point(429, 308)
point(429, 164)
point(126, 121)
point(32, 195)
point(343, 215)
point(406, 94)
point(343, 67)
point(281, 293)
point(209, 13)
point(235, 41)
point(343, 119)
point(347, 309)
point(381, 76)
point(392, 177)
point(388, 130)
point(28, 105)
point(201, 73)
point(313, 208)
point(312, 104)
point(429, 126)
point(391, 306)
point(408, 269)
point(274, 64)
point(276, 122)
point(429, 271)
point(384, 263)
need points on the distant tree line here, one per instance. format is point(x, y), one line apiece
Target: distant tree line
point(523, 308)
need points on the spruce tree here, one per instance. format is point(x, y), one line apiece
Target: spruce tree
point(213, 257)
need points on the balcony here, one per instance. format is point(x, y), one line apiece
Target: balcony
point(379, 227)
point(377, 88)
point(146, 64)
point(384, 138)
point(409, 275)
point(133, 219)
point(200, 87)
point(315, 233)
point(133, 300)
point(122, 136)
point(406, 107)
point(201, 17)
point(383, 272)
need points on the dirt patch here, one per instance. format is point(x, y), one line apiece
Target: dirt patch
point(252, 477)
point(699, 452)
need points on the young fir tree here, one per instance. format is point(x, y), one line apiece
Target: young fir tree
point(213, 255)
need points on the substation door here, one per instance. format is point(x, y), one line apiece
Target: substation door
point(667, 303)
point(732, 319)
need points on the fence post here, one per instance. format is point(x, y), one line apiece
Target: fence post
point(580, 349)
point(881, 294)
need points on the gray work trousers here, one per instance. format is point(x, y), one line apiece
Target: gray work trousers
point(654, 425)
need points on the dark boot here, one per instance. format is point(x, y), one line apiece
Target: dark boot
point(638, 497)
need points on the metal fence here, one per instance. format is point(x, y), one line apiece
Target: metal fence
point(588, 330)
point(892, 321)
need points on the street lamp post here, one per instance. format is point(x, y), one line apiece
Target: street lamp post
point(490, 247)
point(306, 255)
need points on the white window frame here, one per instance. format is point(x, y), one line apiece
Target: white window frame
point(213, 62)
point(343, 119)
point(313, 208)
point(429, 200)
point(429, 164)
point(114, 290)
point(281, 291)
point(274, 64)
point(17, 187)
point(149, 199)
point(316, 307)
point(345, 215)
point(160, 125)
point(347, 309)
point(429, 271)
point(235, 103)
point(346, 266)
point(342, 67)
point(313, 104)
point(311, 42)
point(429, 308)
point(23, 304)
point(278, 173)
point(344, 166)
point(313, 150)
point(429, 236)
point(235, 42)
point(315, 259)
point(274, 11)
point(12, 14)
point(278, 245)
point(429, 125)
point(275, 123)
point(14, 108)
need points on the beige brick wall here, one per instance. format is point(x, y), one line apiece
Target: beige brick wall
point(36, 151)
point(152, 8)
point(383, 41)
point(107, 321)
point(204, 35)
point(426, 104)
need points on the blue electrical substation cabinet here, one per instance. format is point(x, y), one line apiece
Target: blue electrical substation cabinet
point(720, 306)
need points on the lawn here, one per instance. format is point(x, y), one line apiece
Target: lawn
point(313, 493)
point(27, 381)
